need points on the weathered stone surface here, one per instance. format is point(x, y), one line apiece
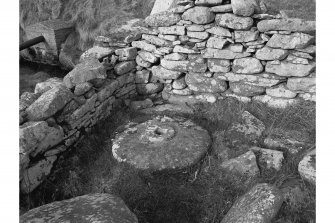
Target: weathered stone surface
point(147, 56)
point(248, 129)
point(168, 37)
point(124, 67)
point(48, 84)
point(49, 103)
point(107, 90)
point(86, 209)
point(231, 94)
point(267, 53)
point(184, 66)
point(26, 99)
point(309, 49)
point(142, 76)
point(301, 85)
point(290, 70)
point(96, 52)
point(280, 91)
point(150, 88)
point(189, 100)
point(85, 71)
point(219, 31)
point(161, 143)
point(232, 21)
point(168, 108)
point(172, 30)
point(262, 80)
point(246, 36)
point(245, 7)
point(247, 65)
point(199, 15)
point(184, 92)
point(217, 43)
point(156, 40)
point(128, 53)
point(275, 102)
point(138, 105)
point(260, 205)
point(208, 2)
point(271, 158)
point(223, 54)
point(296, 60)
point(142, 63)
point(181, 49)
point(198, 35)
point(126, 79)
point(217, 65)
point(307, 96)
point(292, 41)
point(144, 46)
point(195, 28)
point(222, 8)
point(245, 165)
point(198, 83)
point(307, 168)
point(291, 140)
point(38, 137)
point(287, 24)
point(176, 56)
point(162, 73)
point(34, 176)
point(179, 83)
point(82, 88)
point(164, 18)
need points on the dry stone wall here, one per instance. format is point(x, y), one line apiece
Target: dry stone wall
point(55, 116)
point(205, 50)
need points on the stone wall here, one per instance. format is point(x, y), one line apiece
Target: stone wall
point(199, 51)
point(210, 49)
point(59, 112)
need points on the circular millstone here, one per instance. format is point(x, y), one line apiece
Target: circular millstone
point(161, 143)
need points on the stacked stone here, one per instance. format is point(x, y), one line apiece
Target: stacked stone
point(208, 49)
point(55, 116)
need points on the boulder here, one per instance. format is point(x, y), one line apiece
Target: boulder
point(218, 65)
point(244, 165)
point(246, 36)
point(165, 18)
point(86, 209)
point(162, 143)
point(124, 67)
point(245, 7)
point(199, 15)
point(302, 84)
point(228, 20)
point(48, 84)
point(162, 73)
point(247, 65)
point(292, 41)
point(34, 176)
point(150, 88)
point(128, 53)
point(247, 129)
point(287, 24)
point(85, 71)
point(286, 69)
point(198, 83)
point(49, 103)
point(223, 54)
point(96, 52)
point(268, 53)
point(26, 99)
point(292, 140)
point(261, 204)
point(280, 91)
point(280, 103)
point(272, 159)
point(82, 88)
point(307, 168)
point(262, 79)
point(172, 30)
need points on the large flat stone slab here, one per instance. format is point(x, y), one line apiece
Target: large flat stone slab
point(287, 24)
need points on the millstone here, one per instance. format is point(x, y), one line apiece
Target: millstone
point(161, 143)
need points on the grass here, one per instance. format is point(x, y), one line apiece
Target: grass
point(202, 193)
